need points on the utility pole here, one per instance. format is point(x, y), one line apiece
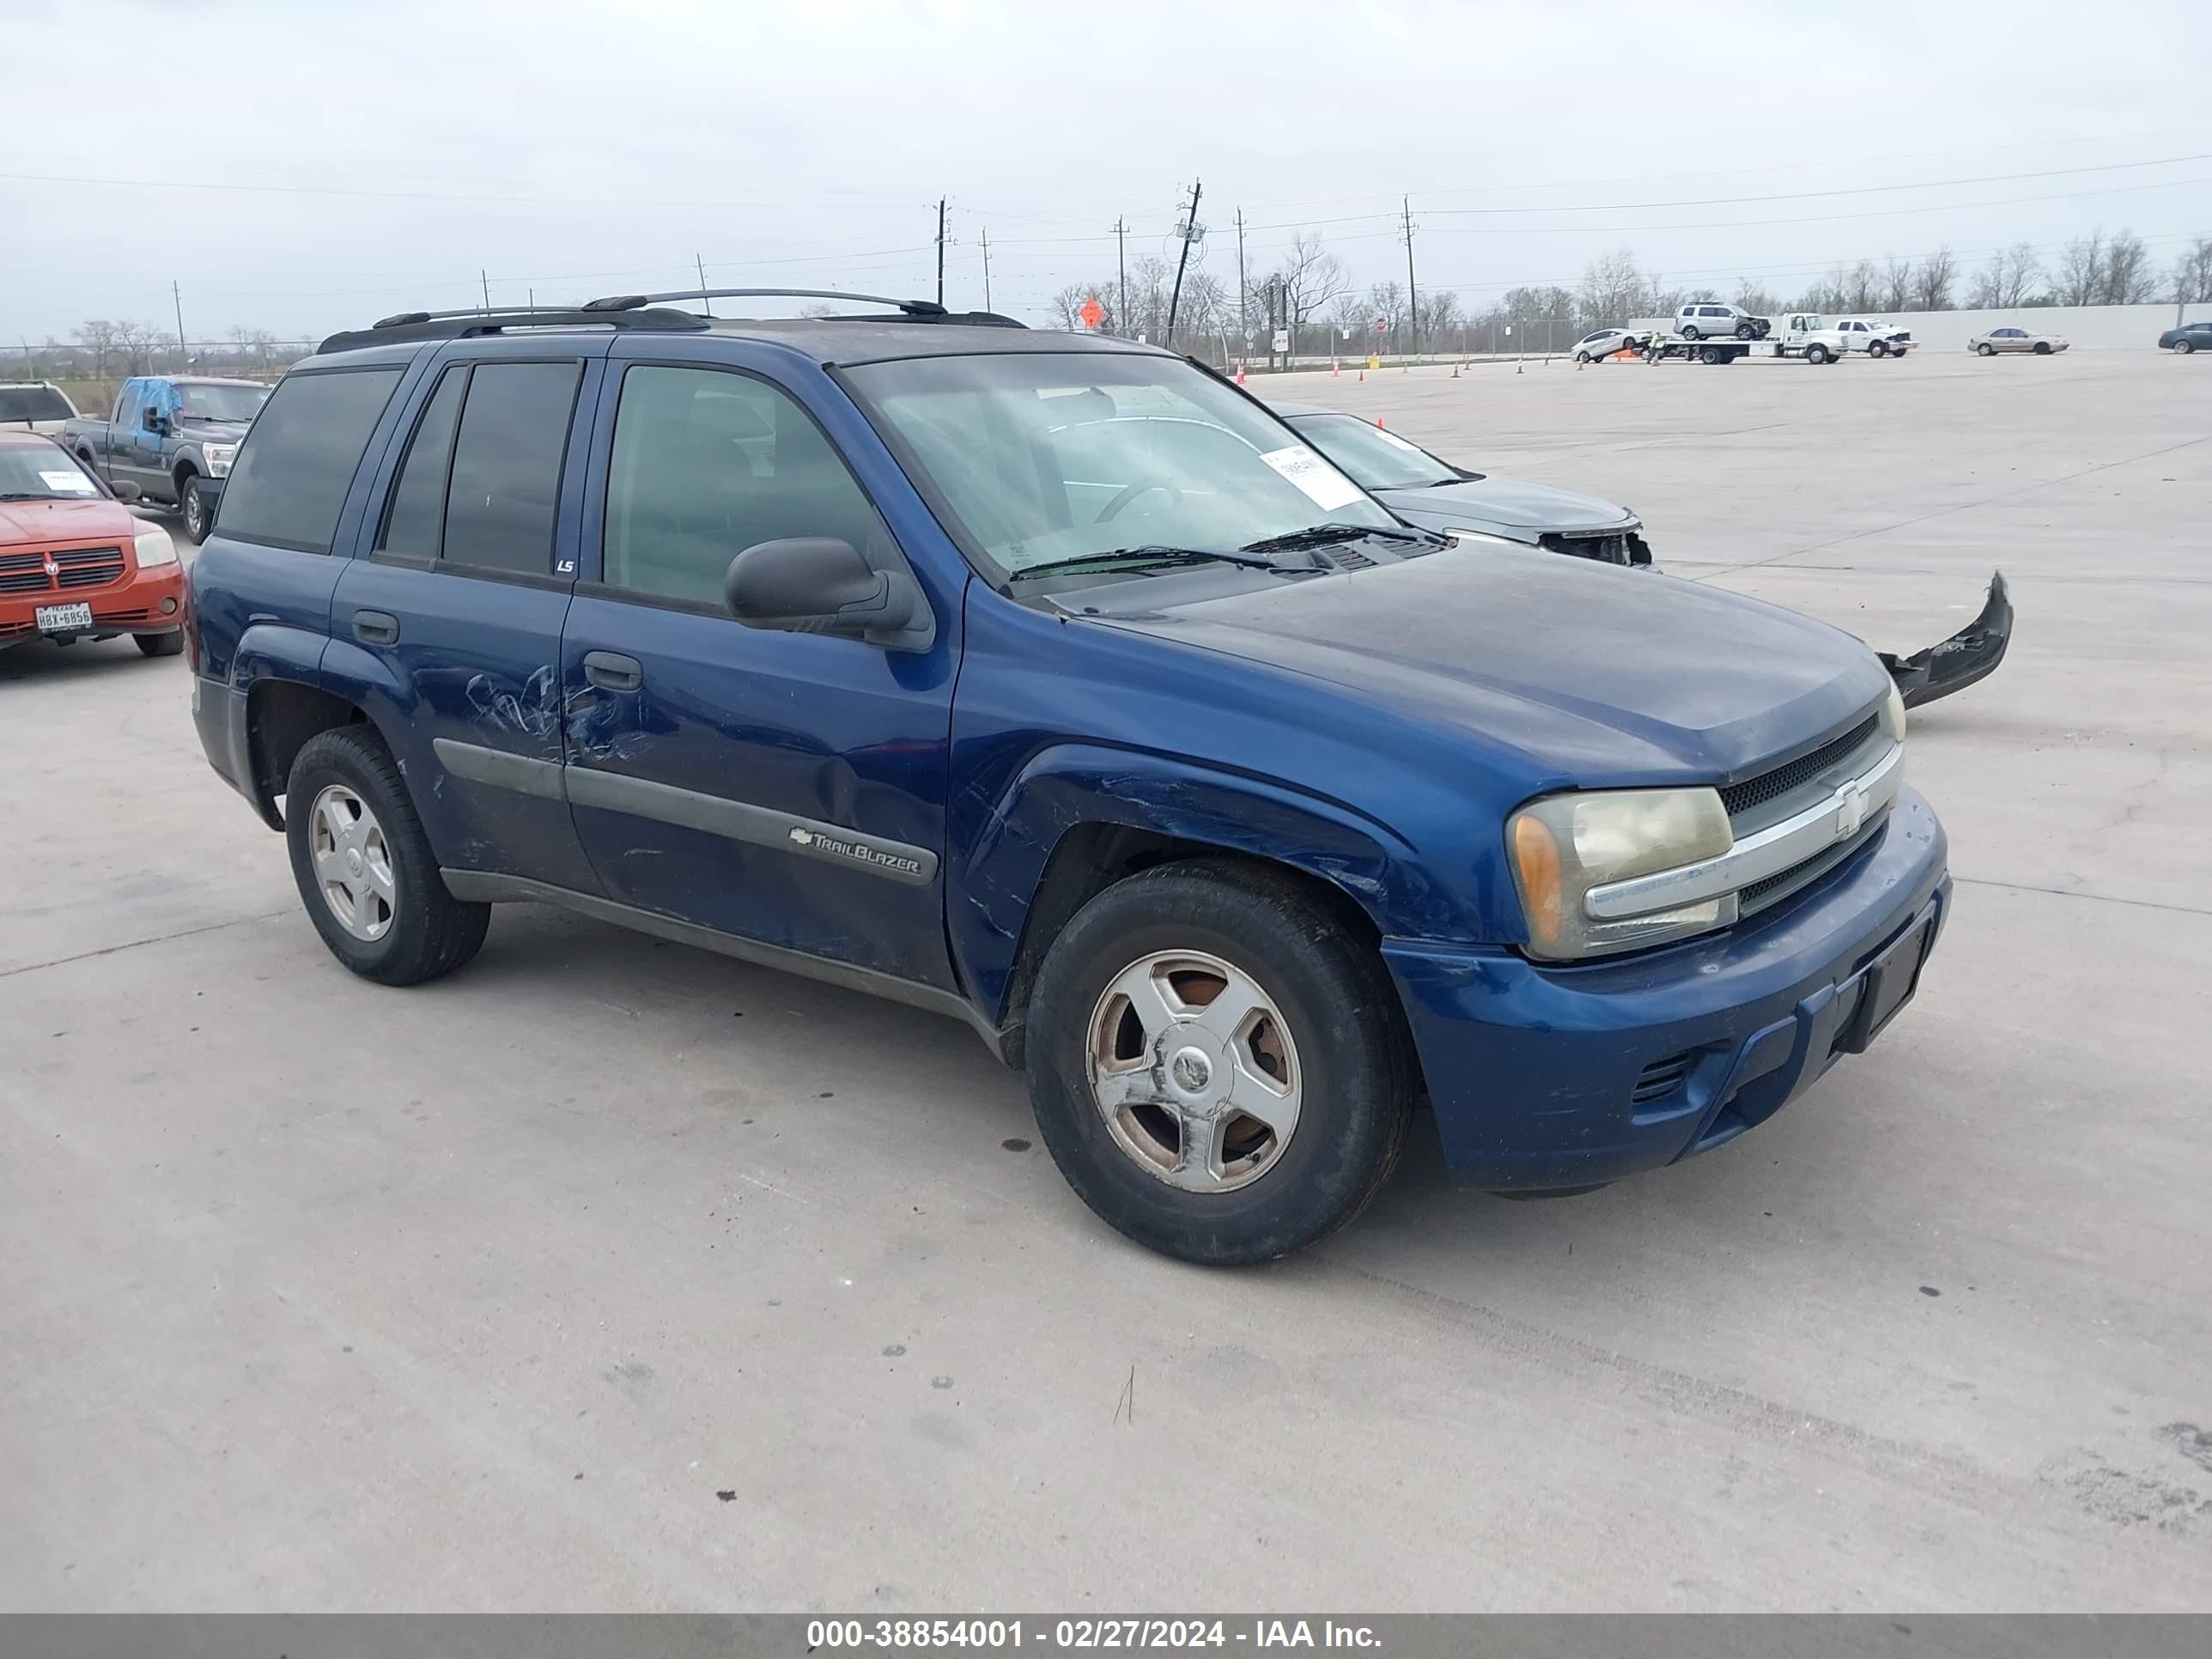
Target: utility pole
point(700, 265)
point(940, 250)
point(1121, 275)
point(1190, 233)
point(1243, 315)
point(986, 267)
point(486, 281)
point(1413, 298)
point(177, 299)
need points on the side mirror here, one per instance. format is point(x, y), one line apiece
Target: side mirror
point(125, 491)
point(819, 585)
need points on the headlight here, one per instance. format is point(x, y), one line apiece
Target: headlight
point(1893, 714)
point(1564, 845)
point(1484, 536)
point(219, 457)
point(153, 547)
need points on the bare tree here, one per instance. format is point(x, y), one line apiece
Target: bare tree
point(1311, 279)
point(97, 336)
point(1613, 288)
point(1931, 285)
point(1894, 291)
point(1759, 301)
point(1441, 313)
point(2014, 274)
point(1861, 287)
point(1386, 304)
point(2081, 277)
point(2128, 279)
point(2192, 273)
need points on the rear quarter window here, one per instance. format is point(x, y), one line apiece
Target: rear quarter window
point(291, 478)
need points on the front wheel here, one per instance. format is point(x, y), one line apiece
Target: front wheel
point(1582, 357)
point(1746, 332)
point(1816, 354)
point(171, 644)
point(192, 508)
point(1985, 350)
point(1218, 1063)
point(365, 868)
point(2043, 347)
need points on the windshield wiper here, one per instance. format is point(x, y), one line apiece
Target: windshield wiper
point(1139, 557)
point(1320, 535)
point(31, 496)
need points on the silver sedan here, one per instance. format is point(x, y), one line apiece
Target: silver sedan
point(2015, 339)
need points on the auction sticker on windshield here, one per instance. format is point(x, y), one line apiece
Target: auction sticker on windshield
point(1326, 487)
point(74, 483)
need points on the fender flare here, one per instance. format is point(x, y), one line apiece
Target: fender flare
point(993, 890)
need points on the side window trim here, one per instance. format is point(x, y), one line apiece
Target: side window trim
point(590, 576)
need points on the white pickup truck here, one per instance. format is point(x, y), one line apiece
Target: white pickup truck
point(1875, 336)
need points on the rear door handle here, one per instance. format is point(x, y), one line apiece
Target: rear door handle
point(375, 628)
point(611, 671)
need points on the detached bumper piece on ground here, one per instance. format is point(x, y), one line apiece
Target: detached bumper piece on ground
point(1971, 654)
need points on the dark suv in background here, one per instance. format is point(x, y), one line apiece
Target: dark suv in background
point(1049, 682)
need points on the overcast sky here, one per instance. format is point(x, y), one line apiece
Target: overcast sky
point(301, 165)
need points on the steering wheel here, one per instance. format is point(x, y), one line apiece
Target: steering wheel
point(1128, 493)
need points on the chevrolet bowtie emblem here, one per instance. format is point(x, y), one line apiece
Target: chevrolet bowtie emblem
point(1851, 809)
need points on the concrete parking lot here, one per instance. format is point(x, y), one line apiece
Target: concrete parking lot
point(611, 1274)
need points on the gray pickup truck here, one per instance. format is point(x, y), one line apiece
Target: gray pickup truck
point(165, 434)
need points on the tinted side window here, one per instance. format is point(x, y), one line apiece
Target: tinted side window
point(505, 482)
point(291, 478)
point(708, 463)
point(416, 519)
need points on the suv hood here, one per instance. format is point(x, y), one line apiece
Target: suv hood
point(1505, 501)
point(1596, 675)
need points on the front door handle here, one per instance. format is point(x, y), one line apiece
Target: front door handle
point(611, 671)
point(375, 628)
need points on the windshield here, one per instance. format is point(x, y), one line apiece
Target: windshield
point(1050, 456)
point(220, 403)
point(1375, 459)
point(32, 403)
point(42, 472)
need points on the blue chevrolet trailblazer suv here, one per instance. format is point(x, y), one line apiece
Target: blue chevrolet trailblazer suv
point(1050, 682)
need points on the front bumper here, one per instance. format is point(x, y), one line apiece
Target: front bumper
point(1544, 1076)
point(141, 602)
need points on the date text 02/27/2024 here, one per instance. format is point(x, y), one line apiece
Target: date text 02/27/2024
point(1084, 1633)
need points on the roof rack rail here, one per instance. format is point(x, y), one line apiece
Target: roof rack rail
point(462, 324)
point(632, 302)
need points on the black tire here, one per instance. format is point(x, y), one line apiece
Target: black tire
point(1985, 350)
point(1711, 355)
point(1581, 357)
point(171, 644)
point(1690, 331)
point(191, 510)
point(431, 932)
point(2183, 348)
point(1356, 1067)
point(1876, 349)
point(2043, 347)
point(1747, 331)
point(1816, 353)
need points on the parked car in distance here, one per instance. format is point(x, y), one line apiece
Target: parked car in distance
point(1603, 342)
point(74, 564)
point(2187, 338)
point(1485, 510)
point(1874, 336)
point(39, 406)
point(1706, 321)
point(1471, 507)
point(1049, 682)
point(167, 434)
point(1992, 341)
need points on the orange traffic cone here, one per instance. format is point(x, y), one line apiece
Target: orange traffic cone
point(1240, 374)
point(1334, 367)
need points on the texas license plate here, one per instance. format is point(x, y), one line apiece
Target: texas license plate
point(63, 618)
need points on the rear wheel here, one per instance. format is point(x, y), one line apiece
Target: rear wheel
point(171, 644)
point(1218, 1064)
point(365, 868)
point(1712, 354)
point(1690, 331)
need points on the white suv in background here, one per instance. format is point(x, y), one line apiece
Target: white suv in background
point(1704, 321)
point(40, 406)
